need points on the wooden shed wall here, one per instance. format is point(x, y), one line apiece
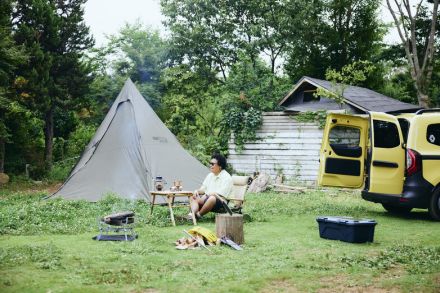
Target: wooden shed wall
point(284, 146)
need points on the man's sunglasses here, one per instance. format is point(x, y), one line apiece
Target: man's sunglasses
point(212, 163)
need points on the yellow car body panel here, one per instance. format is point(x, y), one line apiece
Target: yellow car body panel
point(418, 141)
point(387, 167)
point(330, 159)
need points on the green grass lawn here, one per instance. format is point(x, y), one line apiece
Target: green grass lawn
point(46, 246)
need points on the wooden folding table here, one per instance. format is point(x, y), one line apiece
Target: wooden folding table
point(170, 196)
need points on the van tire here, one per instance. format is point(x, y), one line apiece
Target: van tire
point(396, 209)
point(434, 205)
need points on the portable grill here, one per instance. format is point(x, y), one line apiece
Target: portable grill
point(116, 223)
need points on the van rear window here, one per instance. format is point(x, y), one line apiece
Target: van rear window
point(386, 134)
point(433, 134)
point(344, 135)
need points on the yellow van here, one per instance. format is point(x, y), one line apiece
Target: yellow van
point(395, 158)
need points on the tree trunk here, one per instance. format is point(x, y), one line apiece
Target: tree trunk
point(421, 76)
point(48, 138)
point(2, 155)
point(423, 99)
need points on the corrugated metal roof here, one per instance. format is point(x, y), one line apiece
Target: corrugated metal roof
point(362, 98)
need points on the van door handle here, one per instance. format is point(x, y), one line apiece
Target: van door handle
point(385, 164)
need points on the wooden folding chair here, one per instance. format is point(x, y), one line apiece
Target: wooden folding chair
point(239, 188)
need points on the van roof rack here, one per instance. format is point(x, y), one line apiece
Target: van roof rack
point(427, 111)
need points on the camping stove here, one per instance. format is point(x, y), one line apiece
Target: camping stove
point(116, 223)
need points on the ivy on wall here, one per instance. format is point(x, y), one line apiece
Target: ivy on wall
point(243, 125)
point(312, 116)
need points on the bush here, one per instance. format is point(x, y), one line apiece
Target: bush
point(60, 170)
point(79, 139)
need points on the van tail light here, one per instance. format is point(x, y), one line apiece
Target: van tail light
point(413, 162)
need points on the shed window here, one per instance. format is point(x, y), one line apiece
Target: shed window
point(433, 134)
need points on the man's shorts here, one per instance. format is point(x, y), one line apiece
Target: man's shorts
point(218, 207)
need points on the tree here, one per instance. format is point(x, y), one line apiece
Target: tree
point(11, 56)
point(54, 34)
point(201, 32)
point(215, 34)
point(140, 53)
point(420, 59)
point(192, 109)
point(351, 74)
point(334, 33)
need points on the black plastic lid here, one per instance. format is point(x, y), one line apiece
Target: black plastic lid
point(345, 220)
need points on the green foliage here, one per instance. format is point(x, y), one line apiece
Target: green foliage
point(215, 34)
point(350, 74)
point(67, 152)
point(54, 34)
point(417, 260)
point(31, 215)
point(313, 202)
point(192, 109)
point(250, 89)
point(140, 53)
point(61, 169)
point(45, 257)
point(11, 56)
point(26, 144)
point(332, 34)
point(243, 125)
point(79, 139)
point(399, 87)
point(309, 116)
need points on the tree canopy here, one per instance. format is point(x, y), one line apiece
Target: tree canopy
point(218, 67)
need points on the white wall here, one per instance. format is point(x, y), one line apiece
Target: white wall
point(285, 146)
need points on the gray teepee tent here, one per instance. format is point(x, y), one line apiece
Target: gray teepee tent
point(130, 148)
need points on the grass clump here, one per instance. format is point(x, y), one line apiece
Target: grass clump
point(415, 259)
point(47, 257)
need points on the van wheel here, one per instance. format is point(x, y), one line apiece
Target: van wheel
point(434, 205)
point(396, 209)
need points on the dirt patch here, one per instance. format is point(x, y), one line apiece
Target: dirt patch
point(358, 289)
point(149, 290)
point(279, 286)
point(52, 188)
point(31, 187)
point(437, 282)
point(341, 284)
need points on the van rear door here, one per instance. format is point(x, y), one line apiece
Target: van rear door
point(386, 161)
point(343, 151)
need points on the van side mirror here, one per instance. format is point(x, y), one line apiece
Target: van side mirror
point(403, 145)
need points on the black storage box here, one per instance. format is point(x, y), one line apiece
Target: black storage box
point(346, 229)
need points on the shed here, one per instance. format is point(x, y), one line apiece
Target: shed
point(291, 148)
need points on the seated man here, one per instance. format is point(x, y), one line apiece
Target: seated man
point(216, 185)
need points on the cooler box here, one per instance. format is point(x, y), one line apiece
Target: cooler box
point(346, 229)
